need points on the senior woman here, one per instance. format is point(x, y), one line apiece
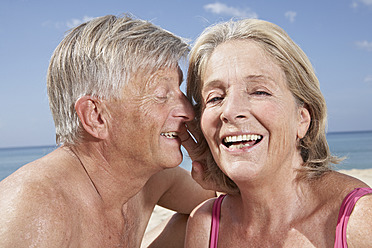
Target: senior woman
point(261, 112)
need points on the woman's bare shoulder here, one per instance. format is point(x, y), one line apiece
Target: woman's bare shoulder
point(199, 225)
point(337, 183)
point(359, 228)
point(331, 189)
point(204, 210)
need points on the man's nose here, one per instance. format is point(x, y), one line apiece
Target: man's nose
point(185, 109)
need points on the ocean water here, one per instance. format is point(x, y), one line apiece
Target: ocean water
point(13, 158)
point(355, 146)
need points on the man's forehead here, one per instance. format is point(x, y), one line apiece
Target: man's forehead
point(166, 74)
point(145, 80)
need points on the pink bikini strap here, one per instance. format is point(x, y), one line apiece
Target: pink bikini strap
point(347, 207)
point(216, 221)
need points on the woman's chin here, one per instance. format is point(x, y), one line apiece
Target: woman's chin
point(242, 171)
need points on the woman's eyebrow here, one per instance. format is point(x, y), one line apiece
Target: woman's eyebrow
point(254, 78)
point(259, 78)
point(211, 85)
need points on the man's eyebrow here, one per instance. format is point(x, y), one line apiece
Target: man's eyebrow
point(168, 78)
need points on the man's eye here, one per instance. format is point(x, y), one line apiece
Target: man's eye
point(161, 97)
point(161, 93)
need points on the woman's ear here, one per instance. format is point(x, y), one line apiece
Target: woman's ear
point(91, 114)
point(304, 122)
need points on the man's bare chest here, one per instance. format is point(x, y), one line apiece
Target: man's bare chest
point(115, 229)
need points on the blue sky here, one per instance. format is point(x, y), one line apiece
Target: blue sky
point(336, 35)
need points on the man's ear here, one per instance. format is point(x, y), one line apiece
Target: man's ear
point(92, 116)
point(304, 122)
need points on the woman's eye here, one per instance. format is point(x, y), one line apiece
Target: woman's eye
point(215, 99)
point(261, 93)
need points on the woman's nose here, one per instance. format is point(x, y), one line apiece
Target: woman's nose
point(235, 108)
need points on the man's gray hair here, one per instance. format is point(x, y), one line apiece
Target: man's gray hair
point(98, 58)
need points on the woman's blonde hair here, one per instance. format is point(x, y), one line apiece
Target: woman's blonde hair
point(98, 58)
point(301, 80)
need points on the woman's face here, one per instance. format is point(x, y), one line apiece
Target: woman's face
point(250, 118)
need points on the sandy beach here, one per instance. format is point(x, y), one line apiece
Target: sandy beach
point(161, 214)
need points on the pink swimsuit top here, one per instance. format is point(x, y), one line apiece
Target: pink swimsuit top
point(347, 207)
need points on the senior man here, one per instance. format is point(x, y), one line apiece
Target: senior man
point(113, 86)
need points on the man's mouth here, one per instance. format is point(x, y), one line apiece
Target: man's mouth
point(241, 141)
point(170, 135)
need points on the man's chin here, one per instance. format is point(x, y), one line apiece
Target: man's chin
point(173, 159)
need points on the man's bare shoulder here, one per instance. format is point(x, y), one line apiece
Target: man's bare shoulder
point(34, 210)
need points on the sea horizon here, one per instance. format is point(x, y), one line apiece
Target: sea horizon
point(51, 145)
point(356, 146)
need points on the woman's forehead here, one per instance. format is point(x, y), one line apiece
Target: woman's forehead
point(242, 60)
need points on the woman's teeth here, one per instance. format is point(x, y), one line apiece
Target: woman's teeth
point(240, 141)
point(244, 137)
point(170, 135)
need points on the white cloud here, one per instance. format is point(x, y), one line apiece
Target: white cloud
point(220, 8)
point(75, 22)
point(366, 2)
point(355, 3)
point(365, 45)
point(291, 15)
point(368, 79)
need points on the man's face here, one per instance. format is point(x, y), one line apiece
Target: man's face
point(147, 121)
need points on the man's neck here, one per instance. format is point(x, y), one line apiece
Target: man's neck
point(115, 181)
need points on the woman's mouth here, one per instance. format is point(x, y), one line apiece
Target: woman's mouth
point(241, 141)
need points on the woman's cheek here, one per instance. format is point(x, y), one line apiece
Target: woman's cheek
point(207, 125)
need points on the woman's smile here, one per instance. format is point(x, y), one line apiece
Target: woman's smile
point(236, 142)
